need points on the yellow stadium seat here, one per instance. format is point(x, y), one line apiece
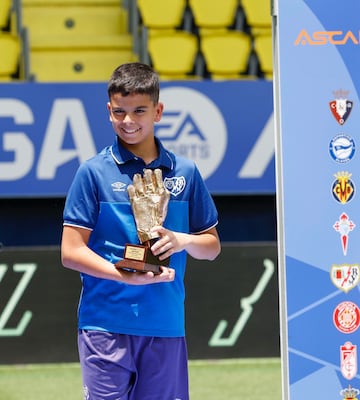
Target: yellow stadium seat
point(70, 2)
point(258, 15)
point(263, 49)
point(226, 54)
point(161, 14)
point(71, 21)
point(10, 50)
point(5, 7)
point(213, 14)
point(173, 56)
point(74, 65)
point(122, 42)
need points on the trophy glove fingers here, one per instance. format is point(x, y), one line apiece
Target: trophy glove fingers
point(131, 192)
point(139, 185)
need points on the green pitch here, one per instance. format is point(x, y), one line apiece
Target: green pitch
point(210, 380)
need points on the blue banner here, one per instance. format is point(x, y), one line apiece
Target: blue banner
point(318, 118)
point(47, 130)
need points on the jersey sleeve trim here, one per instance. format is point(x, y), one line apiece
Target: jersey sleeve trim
point(77, 226)
point(206, 229)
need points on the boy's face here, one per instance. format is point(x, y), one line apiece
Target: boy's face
point(133, 117)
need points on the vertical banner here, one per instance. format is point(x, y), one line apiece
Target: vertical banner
point(317, 112)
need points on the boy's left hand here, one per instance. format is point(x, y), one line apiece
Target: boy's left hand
point(170, 242)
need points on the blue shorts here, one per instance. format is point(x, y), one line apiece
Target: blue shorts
point(125, 367)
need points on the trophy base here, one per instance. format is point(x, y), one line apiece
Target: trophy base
point(140, 258)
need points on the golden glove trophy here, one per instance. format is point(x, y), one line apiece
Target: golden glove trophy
point(149, 202)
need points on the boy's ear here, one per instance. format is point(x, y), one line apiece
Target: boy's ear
point(109, 109)
point(159, 111)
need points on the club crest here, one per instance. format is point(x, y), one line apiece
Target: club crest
point(342, 148)
point(345, 276)
point(341, 107)
point(349, 393)
point(343, 188)
point(346, 317)
point(175, 185)
point(344, 226)
point(348, 360)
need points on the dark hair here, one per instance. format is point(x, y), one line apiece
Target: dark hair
point(134, 78)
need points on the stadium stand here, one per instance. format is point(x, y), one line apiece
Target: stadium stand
point(230, 54)
point(76, 41)
point(63, 40)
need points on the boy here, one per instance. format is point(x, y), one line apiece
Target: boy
point(131, 324)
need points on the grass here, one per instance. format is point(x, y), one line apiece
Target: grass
point(210, 380)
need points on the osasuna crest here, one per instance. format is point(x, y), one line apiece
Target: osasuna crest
point(345, 276)
point(348, 360)
point(341, 107)
point(175, 185)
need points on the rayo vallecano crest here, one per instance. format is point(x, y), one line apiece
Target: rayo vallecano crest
point(345, 276)
point(341, 107)
point(175, 185)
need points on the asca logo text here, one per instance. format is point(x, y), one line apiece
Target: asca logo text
point(321, 38)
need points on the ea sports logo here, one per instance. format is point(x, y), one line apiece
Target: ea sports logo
point(192, 126)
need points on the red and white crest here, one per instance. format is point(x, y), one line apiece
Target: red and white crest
point(341, 107)
point(348, 360)
point(345, 276)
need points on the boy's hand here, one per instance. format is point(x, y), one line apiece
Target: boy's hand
point(145, 278)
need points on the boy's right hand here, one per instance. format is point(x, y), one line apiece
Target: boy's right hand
point(145, 278)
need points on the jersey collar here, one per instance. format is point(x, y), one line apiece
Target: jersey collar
point(122, 155)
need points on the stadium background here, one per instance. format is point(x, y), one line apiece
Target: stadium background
point(30, 226)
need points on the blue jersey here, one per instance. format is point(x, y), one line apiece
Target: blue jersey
point(98, 201)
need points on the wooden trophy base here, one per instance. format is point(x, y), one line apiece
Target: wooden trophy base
point(140, 258)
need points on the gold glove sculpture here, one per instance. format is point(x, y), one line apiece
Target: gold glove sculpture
point(149, 201)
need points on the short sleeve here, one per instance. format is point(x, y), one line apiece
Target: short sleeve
point(82, 205)
point(202, 210)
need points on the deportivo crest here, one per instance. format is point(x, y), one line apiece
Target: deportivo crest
point(342, 148)
point(344, 226)
point(348, 360)
point(343, 189)
point(346, 317)
point(175, 185)
point(345, 276)
point(341, 107)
